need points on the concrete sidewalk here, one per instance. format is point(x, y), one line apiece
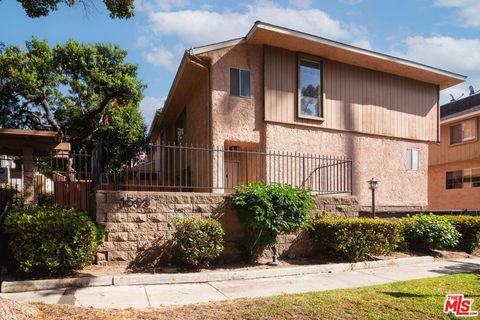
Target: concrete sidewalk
point(149, 296)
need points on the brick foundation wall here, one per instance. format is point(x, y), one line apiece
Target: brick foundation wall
point(139, 231)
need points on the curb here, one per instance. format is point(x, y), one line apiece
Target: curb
point(152, 279)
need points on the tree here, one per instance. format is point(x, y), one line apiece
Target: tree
point(122, 9)
point(86, 93)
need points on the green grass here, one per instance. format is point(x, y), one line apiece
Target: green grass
point(417, 299)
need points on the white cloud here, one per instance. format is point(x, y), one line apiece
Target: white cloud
point(204, 25)
point(148, 106)
point(469, 10)
point(457, 55)
point(207, 26)
point(161, 57)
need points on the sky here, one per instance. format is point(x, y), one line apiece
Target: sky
point(440, 33)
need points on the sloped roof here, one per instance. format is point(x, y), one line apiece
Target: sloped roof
point(460, 107)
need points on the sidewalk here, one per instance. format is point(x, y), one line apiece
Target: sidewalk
point(149, 296)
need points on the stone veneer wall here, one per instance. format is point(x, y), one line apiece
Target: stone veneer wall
point(139, 231)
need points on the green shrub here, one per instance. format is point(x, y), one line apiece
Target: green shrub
point(469, 228)
point(199, 240)
point(427, 232)
point(270, 210)
point(50, 240)
point(356, 239)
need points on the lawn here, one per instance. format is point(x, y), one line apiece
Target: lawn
point(417, 299)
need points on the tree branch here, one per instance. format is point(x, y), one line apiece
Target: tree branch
point(48, 115)
point(102, 106)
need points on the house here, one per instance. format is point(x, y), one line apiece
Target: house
point(454, 163)
point(280, 105)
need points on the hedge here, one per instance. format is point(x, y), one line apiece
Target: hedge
point(428, 231)
point(469, 228)
point(356, 239)
point(46, 240)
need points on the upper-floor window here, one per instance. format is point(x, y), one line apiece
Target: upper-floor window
point(310, 88)
point(463, 132)
point(412, 159)
point(239, 82)
point(181, 125)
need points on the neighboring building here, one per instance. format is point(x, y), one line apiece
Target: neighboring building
point(278, 89)
point(454, 163)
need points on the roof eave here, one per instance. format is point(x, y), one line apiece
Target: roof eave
point(458, 78)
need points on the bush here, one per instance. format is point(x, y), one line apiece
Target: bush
point(356, 239)
point(199, 240)
point(469, 228)
point(427, 232)
point(270, 210)
point(50, 240)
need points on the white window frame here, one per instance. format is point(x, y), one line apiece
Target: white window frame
point(410, 158)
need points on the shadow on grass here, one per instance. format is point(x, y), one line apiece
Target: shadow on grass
point(397, 294)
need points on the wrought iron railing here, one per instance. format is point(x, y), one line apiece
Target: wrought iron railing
point(176, 167)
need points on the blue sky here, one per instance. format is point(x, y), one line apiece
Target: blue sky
point(441, 33)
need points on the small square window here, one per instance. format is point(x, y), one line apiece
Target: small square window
point(240, 82)
point(412, 159)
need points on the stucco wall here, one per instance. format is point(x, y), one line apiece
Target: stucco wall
point(376, 157)
point(236, 118)
point(141, 234)
point(439, 198)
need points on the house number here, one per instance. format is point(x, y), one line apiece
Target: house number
point(135, 202)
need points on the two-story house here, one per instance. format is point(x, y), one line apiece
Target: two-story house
point(454, 163)
point(289, 93)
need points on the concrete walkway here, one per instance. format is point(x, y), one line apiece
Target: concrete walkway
point(150, 296)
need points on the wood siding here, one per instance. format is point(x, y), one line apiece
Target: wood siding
point(354, 99)
point(445, 153)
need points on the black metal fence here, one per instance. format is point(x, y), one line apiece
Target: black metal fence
point(176, 167)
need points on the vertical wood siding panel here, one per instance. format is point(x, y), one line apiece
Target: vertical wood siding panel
point(354, 98)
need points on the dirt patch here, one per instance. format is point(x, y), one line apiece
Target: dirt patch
point(12, 310)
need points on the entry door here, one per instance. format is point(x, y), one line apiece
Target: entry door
point(231, 174)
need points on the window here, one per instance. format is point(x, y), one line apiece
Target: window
point(412, 159)
point(463, 132)
point(466, 178)
point(455, 179)
point(310, 87)
point(471, 178)
point(180, 125)
point(239, 82)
